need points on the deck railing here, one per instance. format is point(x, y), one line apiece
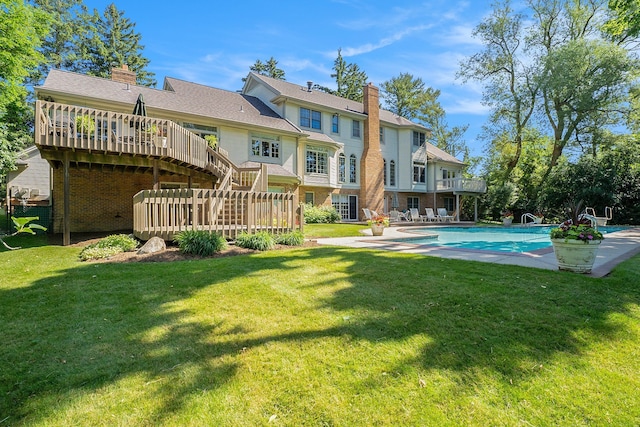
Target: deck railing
point(165, 213)
point(109, 132)
point(464, 185)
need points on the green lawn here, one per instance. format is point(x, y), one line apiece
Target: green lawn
point(316, 336)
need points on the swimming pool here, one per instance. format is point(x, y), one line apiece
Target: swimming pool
point(499, 239)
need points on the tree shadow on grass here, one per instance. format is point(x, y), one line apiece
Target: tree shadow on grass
point(88, 327)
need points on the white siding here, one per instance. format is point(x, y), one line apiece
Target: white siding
point(36, 175)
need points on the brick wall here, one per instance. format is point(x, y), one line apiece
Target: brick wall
point(101, 200)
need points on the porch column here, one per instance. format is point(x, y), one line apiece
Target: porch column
point(475, 209)
point(458, 206)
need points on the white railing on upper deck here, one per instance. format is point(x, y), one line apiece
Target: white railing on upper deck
point(165, 213)
point(466, 185)
point(92, 130)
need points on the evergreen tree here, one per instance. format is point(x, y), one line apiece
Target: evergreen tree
point(112, 41)
point(350, 80)
point(61, 47)
point(269, 69)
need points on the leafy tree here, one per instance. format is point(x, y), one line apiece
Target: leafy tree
point(22, 28)
point(269, 69)
point(509, 88)
point(625, 22)
point(112, 41)
point(409, 97)
point(583, 78)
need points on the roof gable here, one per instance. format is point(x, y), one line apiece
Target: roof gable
point(286, 90)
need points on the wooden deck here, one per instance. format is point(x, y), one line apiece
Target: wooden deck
point(69, 134)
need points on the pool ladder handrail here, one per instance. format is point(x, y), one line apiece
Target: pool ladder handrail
point(591, 218)
point(528, 215)
point(601, 220)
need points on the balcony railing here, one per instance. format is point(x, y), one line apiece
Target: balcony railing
point(462, 185)
point(165, 213)
point(88, 129)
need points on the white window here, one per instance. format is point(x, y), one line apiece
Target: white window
point(392, 173)
point(418, 138)
point(342, 168)
point(310, 118)
point(384, 167)
point(335, 123)
point(353, 169)
point(346, 205)
point(355, 129)
point(316, 160)
point(418, 173)
point(264, 146)
point(381, 135)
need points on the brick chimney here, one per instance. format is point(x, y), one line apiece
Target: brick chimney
point(123, 75)
point(371, 166)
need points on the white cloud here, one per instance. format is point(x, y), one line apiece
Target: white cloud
point(370, 47)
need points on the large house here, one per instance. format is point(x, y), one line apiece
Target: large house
point(273, 137)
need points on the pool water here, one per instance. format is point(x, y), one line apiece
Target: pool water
point(500, 239)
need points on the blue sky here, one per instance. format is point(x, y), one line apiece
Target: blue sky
point(215, 43)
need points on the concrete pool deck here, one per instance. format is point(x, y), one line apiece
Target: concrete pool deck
point(615, 248)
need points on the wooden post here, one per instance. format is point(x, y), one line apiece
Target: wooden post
point(66, 221)
point(156, 175)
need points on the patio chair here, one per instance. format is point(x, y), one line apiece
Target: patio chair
point(444, 216)
point(367, 213)
point(396, 216)
point(415, 215)
point(431, 216)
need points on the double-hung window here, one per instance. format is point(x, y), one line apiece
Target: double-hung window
point(316, 160)
point(310, 118)
point(355, 129)
point(352, 169)
point(418, 173)
point(335, 123)
point(418, 138)
point(342, 168)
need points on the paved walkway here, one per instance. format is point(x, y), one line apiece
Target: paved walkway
point(615, 248)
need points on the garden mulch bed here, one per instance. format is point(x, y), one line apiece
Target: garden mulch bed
point(172, 253)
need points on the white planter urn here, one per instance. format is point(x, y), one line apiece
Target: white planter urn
point(577, 256)
point(507, 221)
point(377, 230)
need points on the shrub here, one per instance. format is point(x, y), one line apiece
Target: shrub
point(292, 238)
point(200, 242)
point(260, 241)
point(320, 214)
point(109, 246)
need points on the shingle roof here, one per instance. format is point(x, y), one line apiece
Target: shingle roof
point(301, 93)
point(434, 153)
point(272, 169)
point(185, 97)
